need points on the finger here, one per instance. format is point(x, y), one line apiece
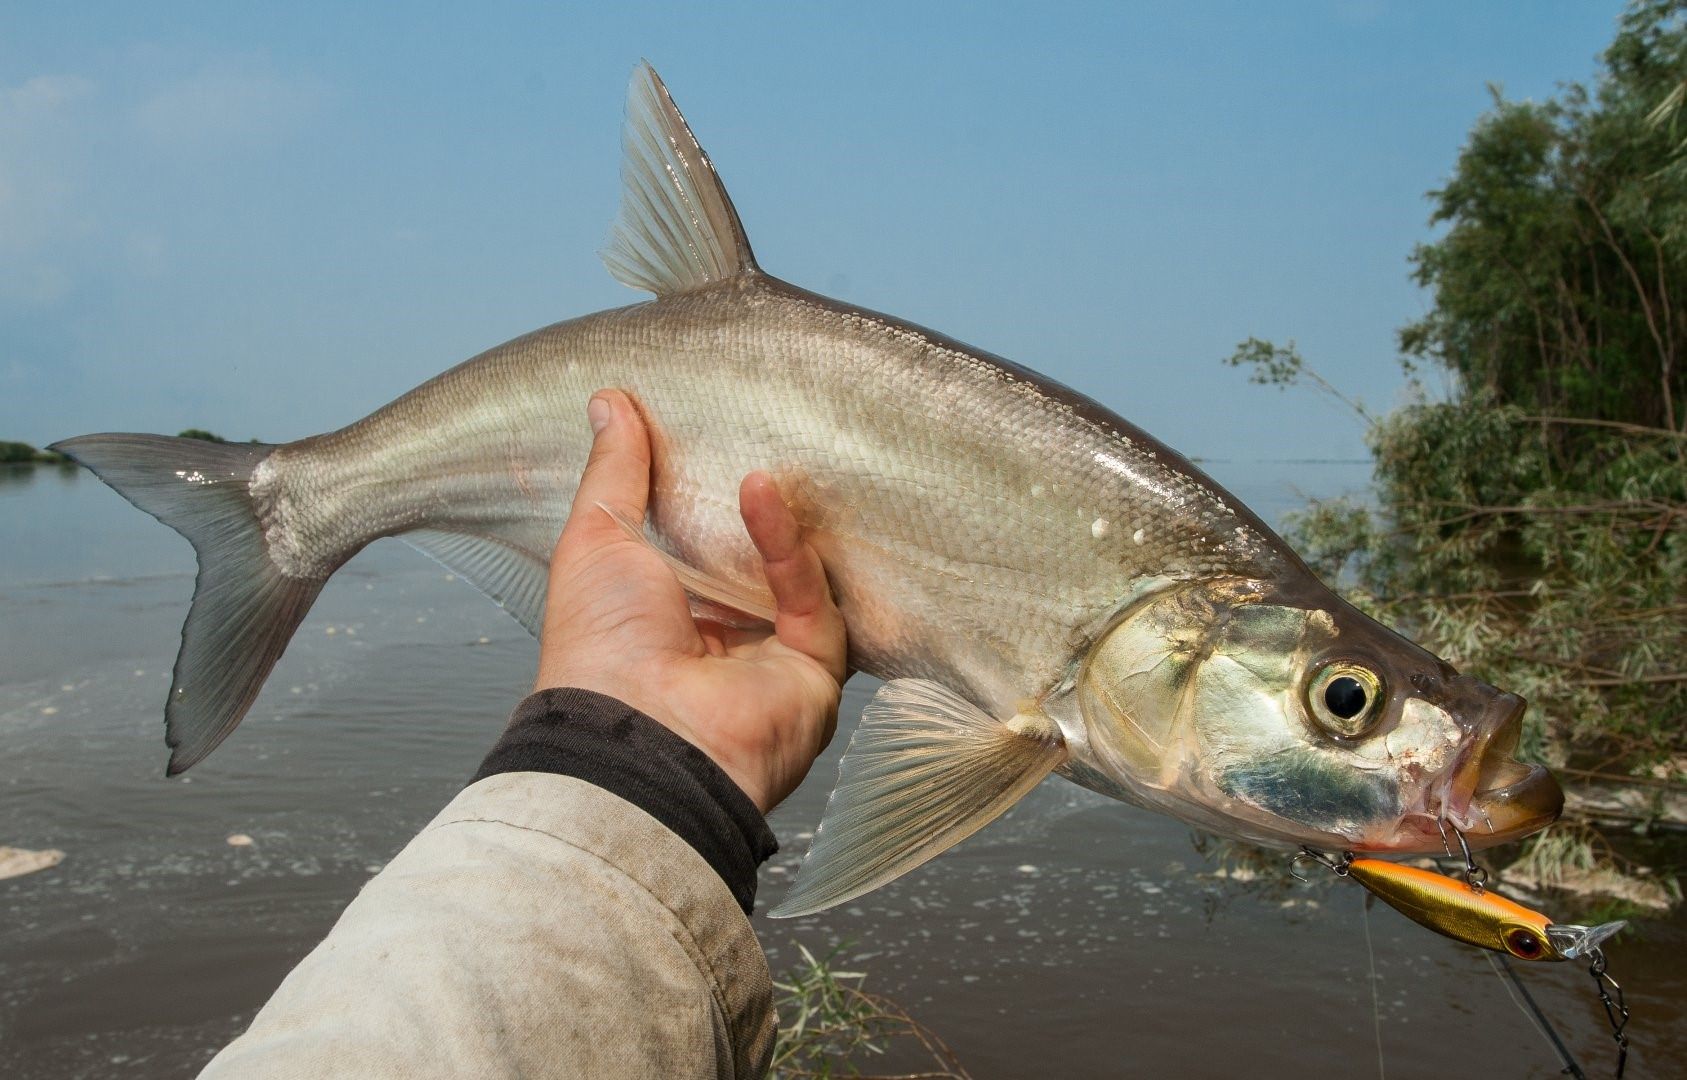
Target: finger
point(617, 472)
point(806, 617)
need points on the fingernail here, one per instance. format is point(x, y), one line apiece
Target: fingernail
point(597, 412)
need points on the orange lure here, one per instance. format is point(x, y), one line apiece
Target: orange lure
point(1477, 917)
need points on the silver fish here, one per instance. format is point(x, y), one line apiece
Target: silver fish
point(1046, 587)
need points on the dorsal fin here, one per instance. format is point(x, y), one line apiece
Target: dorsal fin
point(677, 230)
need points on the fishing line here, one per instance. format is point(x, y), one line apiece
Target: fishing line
point(1532, 1011)
point(1467, 912)
point(1376, 1006)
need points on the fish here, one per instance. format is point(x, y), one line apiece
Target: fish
point(1044, 587)
point(1477, 916)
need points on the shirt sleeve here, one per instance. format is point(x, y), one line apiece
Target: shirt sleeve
point(609, 744)
point(541, 925)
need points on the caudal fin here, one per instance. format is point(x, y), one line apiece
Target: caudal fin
point(244, 609)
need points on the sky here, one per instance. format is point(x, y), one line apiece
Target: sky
point(268, 220)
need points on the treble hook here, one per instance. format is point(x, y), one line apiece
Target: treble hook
point(1446, 845)
point(1338, 865)
point(1474, 876)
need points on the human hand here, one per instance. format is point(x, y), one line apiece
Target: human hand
point(761, 704)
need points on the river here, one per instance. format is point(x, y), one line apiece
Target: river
point(1076, 937)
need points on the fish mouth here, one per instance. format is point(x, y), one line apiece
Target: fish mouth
point(1490, 796)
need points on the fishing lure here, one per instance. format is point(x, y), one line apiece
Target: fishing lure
point(1466, 910)
point(1475, 915)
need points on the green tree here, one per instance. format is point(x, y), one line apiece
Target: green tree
point(20, 453)
point(1560, 284)
point(1533, 526)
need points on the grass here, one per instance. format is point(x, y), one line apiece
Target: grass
point(1591, 881)
point(831, 1025)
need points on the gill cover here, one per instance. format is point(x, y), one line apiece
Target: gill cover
point(1196, 704)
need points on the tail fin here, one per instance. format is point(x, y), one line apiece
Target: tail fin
point(244, 609)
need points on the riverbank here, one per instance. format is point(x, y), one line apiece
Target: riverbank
point(21, 453)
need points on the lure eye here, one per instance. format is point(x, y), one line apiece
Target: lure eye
point(1524, 944)
point(1345, 699)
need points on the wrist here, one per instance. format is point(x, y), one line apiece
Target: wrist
point(703, 733)
point(606, 742)
point(651, 698)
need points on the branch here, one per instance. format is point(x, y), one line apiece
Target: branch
point(1472, 512)
point(1480, 594)
point(1664, 352)
point(1633, 429)
point(1636, 680)
point(1620, 778)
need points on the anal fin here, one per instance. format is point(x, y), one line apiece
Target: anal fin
point(514, 578)
point(712, 599)
point(925, 770)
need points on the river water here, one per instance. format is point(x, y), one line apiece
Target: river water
point(1076, 937)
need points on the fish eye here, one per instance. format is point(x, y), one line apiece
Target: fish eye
point(1345, 699)
point(1524, 944)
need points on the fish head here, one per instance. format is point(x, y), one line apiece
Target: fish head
point(1292, 718)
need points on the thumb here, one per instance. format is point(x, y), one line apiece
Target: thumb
point(618, 470)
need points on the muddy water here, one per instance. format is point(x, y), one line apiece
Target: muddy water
point(1074, 938)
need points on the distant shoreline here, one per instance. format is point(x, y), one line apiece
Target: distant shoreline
point(19, 453)
point(22, 453)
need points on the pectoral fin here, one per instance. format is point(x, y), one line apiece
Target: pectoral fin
point(712, 599)
point(925, 770)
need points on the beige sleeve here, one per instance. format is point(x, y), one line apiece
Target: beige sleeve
point(539, 926)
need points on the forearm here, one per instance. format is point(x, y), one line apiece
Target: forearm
point(547, 921)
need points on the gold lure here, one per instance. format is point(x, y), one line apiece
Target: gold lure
point(1474, 915)
point(1467, 911)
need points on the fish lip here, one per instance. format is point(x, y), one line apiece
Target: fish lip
point(1489, 795)
point(1501, 722)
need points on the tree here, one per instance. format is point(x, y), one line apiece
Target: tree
point(1533, 527)
point(1560, 284)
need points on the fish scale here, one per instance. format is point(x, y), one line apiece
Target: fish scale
point(957, 537)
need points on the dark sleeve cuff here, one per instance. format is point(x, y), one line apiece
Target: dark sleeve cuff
point(606, 743)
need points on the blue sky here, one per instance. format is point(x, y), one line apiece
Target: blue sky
point(270, 220)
